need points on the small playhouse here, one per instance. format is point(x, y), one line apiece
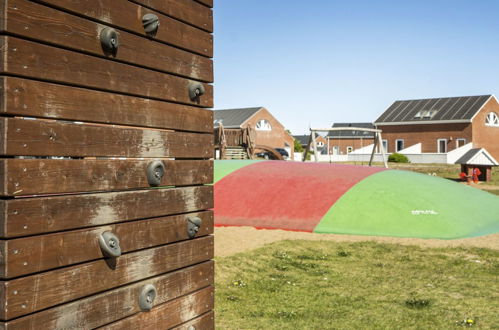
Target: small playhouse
point(479, 159)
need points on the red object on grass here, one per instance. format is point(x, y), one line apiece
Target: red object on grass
point(476, 174)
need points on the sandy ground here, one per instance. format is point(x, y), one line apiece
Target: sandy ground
point(232, 240)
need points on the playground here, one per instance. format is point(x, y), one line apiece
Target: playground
point(349, 199)
point(377, 248)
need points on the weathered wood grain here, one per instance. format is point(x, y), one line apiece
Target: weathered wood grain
point(204, 322)
point(33, 60)
point(55, 138)
point(208, 3)
point(34, 254)
point(33, 98)
point(20, 177)
point(31, 216)
point(190, 12)
point(116, 304)
point(128, 16)
point(29, 294)
point(53, 26)
point(169, 314)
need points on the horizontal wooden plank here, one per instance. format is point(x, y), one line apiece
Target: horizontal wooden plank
point(204, 322)
point(128, 16)
point(29, 294)
point(208, 3)
point(33, 98)
point(22, 137)
point(31, 20)
point(34, 254)
point(34, 60)
point(187, 11)
point(31, 216)
point(110, 306)
point(55, 176)
point(169, 314)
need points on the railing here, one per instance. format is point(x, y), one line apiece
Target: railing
point(229, 138)
point(233, 137)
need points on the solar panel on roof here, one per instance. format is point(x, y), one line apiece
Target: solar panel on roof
point(450, 108)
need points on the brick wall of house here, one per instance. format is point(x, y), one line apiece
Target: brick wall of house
point(486, 136)
point(276, 137)
point(427, 135)
point(343, 144)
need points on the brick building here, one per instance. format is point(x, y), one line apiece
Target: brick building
point(268, 130)
point(441, 125)
point(344, 142)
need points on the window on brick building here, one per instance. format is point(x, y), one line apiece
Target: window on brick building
point(442, 146)
point(263, 125)
point(399, 145)
point(385, 146)
point(460, 142)
point(492, 119)
point(349, 150)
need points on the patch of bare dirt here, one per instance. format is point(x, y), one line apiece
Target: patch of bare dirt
point(232, 240)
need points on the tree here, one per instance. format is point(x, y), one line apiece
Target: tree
point(298, 147)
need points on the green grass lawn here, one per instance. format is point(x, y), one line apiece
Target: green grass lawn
point(365, 285)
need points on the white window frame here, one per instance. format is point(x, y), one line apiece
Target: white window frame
point(492, 119)
point(460, 139)
point(320, 144)
point(336, 150)
point(263, 125)
point(385, 146)
point(397, 145)
point(438, 146)
point(349, 149)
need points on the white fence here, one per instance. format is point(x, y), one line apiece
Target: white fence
point(361, 155)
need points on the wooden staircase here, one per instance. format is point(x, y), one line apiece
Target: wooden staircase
point(236, 153)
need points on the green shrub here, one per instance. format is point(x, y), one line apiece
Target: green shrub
point(398, 158)
point(297, 146)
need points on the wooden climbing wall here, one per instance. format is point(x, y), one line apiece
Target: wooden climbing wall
point(105, 166)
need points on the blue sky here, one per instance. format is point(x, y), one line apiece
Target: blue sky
point(316, 62)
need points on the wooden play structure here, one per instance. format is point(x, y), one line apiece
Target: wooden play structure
point(377, 141)
point(105, 164)
point(233, 143)
point(239, 143)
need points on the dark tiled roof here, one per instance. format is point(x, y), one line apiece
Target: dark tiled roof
point(233, 118)
point(445, 108)
point(303, 139)
point(351, 134)
point(467, 156)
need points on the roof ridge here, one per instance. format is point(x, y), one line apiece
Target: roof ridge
point(237, 109)
point(443, 97)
